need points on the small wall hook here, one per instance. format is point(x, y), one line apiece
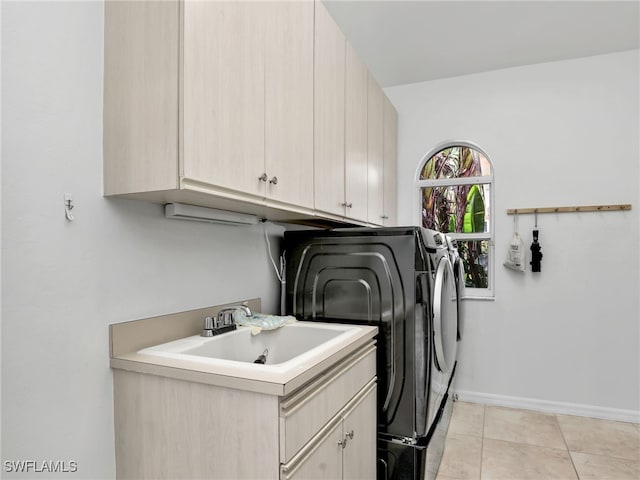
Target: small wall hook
point(68, 206)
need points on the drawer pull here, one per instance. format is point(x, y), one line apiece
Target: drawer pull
point(343, 443)
point(350, 434)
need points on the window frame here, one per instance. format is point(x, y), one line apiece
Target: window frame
point(471, 293)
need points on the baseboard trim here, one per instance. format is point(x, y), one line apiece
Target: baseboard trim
point(580, 410)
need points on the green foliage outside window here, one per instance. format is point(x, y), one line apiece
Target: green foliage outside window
point(458, 208)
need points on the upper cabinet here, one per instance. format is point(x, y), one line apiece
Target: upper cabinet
point(213, 97)
point(349, 130)
point(223, 95)
point(289, 101)
point(258, 107)
point(329, 98)
point(355, 168)
point(141, 101)
point(390, 160)
point(375, 146)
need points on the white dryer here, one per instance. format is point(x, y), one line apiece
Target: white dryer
point(445, 313)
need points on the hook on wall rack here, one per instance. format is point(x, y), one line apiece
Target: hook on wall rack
point(585, 208)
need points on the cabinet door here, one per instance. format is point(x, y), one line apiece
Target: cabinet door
point(289, 101)
point(375, 167)
point(356, 136)
point(359, 428)
point(321, 459)
point(329, 94)
point(223, 95)
point(140, 123)
point(390, 159)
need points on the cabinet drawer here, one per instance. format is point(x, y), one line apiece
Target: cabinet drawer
point(306, 411)
point(322, 455)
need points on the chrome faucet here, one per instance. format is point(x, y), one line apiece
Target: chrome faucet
point(224, 321)
point(225, 316)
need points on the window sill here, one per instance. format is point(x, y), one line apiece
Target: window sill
point(478, 297)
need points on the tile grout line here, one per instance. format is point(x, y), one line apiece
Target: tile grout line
point(555, 415)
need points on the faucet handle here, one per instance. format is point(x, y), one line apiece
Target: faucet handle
point(227, 318)
point(207, 328)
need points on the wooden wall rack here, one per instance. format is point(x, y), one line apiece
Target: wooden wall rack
point(585, 208)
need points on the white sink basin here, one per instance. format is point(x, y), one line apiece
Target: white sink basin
point(289, 346)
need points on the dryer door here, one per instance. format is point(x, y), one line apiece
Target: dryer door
point(445, 317)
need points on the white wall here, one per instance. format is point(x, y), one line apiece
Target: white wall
point(563, 133)
point(65, 282)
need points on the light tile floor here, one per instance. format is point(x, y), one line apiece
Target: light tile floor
point(497, 443)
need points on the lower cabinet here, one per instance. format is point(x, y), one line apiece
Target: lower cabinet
point(172, 427)
point(359, 451)
point(345, 448)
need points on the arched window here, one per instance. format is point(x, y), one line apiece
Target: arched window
point(455, 188)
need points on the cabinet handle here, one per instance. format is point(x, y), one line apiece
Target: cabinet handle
point(263, 177)
point(343, 443)
point(349, 205)
point(274, 180)
point(385, 217)
point(350, 434)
